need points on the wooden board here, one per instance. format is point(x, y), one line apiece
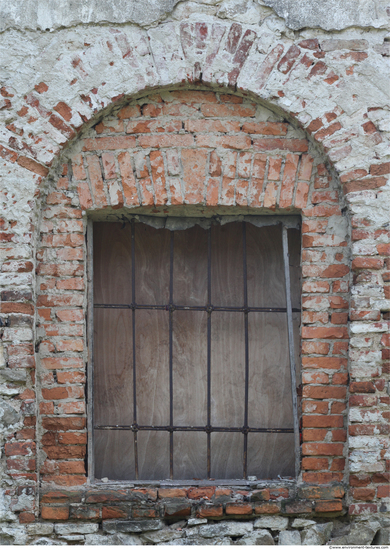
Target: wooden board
point(227, 452)
point(227, 280)
point(151, 265)
point(189, 455)
point(294, 248)
point(271, 455)
point(152, 365)
point(153, 455)
point(227, 369)
point(270, 400)
point(266, 286)
point(112, 263)
point(190, 267)
point(189, 368)
point(113, 374)
point(114, 454)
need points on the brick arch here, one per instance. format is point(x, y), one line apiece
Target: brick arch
point(216, 152)
point(213, 53)
point(61, 104)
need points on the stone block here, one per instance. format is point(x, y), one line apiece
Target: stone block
point(132, 526)
point(317, 534)
point(275, 523)
point(289, 538)
point(40, 529)
point(76, 528)
point(260, 537)
point(226, 528)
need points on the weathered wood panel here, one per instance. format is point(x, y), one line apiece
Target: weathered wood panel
point(152, 266)
point(189, 455)
point(227, 369)
point(152, 365)
point(190, 267)
point(270, 401)
point(189, 368)
point(266, 286)
point(153, 455)
point(113, 376)
point(114, 454)
point(112, 263)
point(227, 276)
point(271, 455)
point(227, 453)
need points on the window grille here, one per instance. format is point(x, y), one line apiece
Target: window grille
point(189, 326)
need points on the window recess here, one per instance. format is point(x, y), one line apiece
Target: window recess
point(195, 348)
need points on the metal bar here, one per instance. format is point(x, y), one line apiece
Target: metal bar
point(134, 354)
point(171, 355)
point(166, 307)
point(207, 429)
point(209, 352)
point(286, 258)
point(246, 349)
point(91, 458)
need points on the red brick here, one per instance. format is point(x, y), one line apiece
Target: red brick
point(322, 421)
point(288, 182)
point(267, 508)
point(200, 492)
point(265, 128)
point(326, 449)
point(383, 491)
point(360, 509)
point(228, 111)
point(322, 477)
point(329, 506)
point(325, 332)
point(31, 165)
point(210, 512)
point(55, 513)
point(362, 387)
point(194, 172)
point(238, 509)
point(114, 512)
point(26, 517)
point(380, 169)
point(270, 144)
point(321, 392)
point(315, 463)
point(172, 493)
point(362, 493)
point(109, 143)
point(364, 184)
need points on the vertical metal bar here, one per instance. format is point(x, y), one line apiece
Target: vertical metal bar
point(91, 451)
point(134, 354)
point(209, 352)
point(286, 258)
point(171, 357)
point(246, 349)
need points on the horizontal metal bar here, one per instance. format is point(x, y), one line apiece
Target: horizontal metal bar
point(207, 429)
point(208, 308)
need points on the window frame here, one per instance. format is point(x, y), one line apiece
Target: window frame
point(287, 221)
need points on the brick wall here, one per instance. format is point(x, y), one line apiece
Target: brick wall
point(317, 80)
point(213, 151)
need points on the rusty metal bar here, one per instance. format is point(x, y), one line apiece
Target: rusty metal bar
point(207, 429)
point(245, 457)
point(134, 354)
point(171, 354)
point(209, 352)
point(207, 308)
point(286, 258)
point(90, 333)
